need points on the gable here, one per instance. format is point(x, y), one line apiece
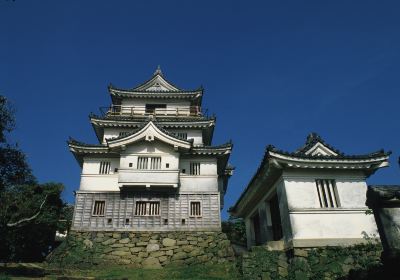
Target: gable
point(320, 149)
point(150, 132)
point(157, 83)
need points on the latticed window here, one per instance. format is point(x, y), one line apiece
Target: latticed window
point(182, 135)
point(195, 208)
point(143, 163)
point(327, 193)
point(123, 133)
point(195, 168)
point(99, 208)
point(105, 167)
point(147, 208)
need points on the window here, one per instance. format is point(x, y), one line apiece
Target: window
point(182, 135)
point(99, 208)
point(195, 209)
point(123, 133)
point(143, 163)
point(147, 208)
point(195, 168)
point(151, 108)
point(105, 167)
point(327, 193)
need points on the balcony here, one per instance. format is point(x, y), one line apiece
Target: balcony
point(119, 110)
point(148, 178)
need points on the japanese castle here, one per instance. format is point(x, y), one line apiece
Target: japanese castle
point(154, 168)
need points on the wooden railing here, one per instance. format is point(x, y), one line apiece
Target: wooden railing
point(118, 110)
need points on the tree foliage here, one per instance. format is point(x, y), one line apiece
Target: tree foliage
point(29, 212)
point(235, 230)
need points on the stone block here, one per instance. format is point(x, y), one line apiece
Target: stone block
point(87, 244)
point(152, 247)
point(143, 254)
point(109, 241)
point(142, 244)
point(300, 253)
point(182, 242)
point(168, 242)
point(151, 262)
point(195, 252)
point(116, 235)
point(193, 242)
point(169, 252)
point(157, 254)
point(187, 248)
point(124, 241)
point(117, 245)
point(153, 241)
point(163, 258)
point(121, 253)
point(179, 256)
point(136, 249)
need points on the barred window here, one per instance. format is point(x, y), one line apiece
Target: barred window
point(182, 135)
point(105, 167)
point(99, 208)
point(123, 133)
point(327, 193)
point(195, 208)
point(143, 163)
point(147, 208)
point(155, 163)
point(195, 168)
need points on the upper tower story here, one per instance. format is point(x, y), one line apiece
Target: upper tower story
point(173, 108)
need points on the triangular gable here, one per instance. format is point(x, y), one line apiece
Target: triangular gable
point(157, 83)
point(320, 149)
point(150, 132)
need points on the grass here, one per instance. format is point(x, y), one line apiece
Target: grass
point(212, 272)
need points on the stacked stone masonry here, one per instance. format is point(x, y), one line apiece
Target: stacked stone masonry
point(150, 249)
point(301, 264)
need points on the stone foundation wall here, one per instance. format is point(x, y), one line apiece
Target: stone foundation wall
point(142, 249)
point(302, 264)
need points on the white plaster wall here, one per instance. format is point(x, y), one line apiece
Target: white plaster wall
point(99, 182)
point(198, 183)
point(301, 189)
point(92, 165)
point(195, 134)
point(206, 181)
point(156, 148)
point(91, 180)
point(309, 221)
point(332, 224)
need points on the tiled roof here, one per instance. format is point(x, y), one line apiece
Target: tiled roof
point(313, 139)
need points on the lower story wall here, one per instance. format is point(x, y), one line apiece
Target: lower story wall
point(302, 264)
point(120, 211)
point(142, 249)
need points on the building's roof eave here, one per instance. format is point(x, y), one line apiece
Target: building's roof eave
point(186, 122)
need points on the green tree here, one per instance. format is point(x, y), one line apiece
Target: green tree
point(235, 230)
point(29, 212)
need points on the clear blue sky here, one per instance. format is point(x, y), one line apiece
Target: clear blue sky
point(273, 72)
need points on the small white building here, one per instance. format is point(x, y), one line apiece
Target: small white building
point(154, 168)
point(312, 197)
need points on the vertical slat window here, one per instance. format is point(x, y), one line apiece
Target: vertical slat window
point(105, 167)
point(182, 135)
point(99, 208)
point(194, 168)
point(123, 133)
point(142, 162)
point(147, 208)
point(195, 209)
point(155, 163)
point(327, 193)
